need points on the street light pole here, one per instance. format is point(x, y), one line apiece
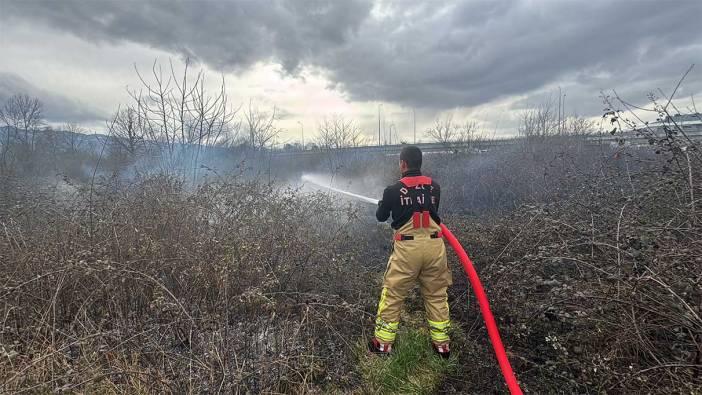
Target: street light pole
point(414, 125)
point(379, 106)
point(302, 131)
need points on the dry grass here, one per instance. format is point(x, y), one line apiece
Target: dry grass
point(152, 287)
point(591, 261)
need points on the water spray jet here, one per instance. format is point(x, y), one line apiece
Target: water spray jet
point(312, 180)
point(493, 332)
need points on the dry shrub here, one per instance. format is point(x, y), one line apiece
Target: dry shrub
point(598, 289)
point(152, 286)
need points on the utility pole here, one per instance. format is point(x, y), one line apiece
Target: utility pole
point(564, 114)
point(560, 111)
point(302, 131)
point(379, 105)
point(385, 130)
point(414, 125)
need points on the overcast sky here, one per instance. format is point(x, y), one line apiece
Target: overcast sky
point(480, 60)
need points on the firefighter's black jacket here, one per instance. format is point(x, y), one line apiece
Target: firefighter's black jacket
point(395, 200)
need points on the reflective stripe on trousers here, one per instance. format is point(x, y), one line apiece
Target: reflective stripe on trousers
point(439, 330)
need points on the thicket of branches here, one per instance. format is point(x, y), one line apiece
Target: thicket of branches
point(173, 123)
point(548, 119)
point(153, 287)
point(600, 289)
point(337, 132)
point(590, 254)
point(21, 116)
point(599, 285)
point(446, 131)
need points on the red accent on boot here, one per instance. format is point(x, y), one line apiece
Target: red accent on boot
point(378, 347)
point(442, 349)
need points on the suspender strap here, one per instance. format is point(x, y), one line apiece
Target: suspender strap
point(411, 182)
point(400, 237)
point(421, 219)
point(416, 220)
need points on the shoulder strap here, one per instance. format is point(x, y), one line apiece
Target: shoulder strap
point(410, 182)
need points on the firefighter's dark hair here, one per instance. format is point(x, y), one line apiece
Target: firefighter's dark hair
point(412, 155)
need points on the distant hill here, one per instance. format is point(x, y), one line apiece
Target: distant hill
point(85, 142)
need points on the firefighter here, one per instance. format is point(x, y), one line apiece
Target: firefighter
point(419, 255)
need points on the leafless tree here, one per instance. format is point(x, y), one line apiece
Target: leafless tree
point(579, 126)
point(22, 116)
point(231, 139)
point(468, 134)
point(337, 132)
point(447, 132)
point(128, 131)
point(72, 138)
point(539, 122)
point(443, 130)
point(548, 119)
point(178, 112)
point(260, 126)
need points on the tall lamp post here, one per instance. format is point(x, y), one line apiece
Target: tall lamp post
point(380, 106)
point(414, 125)
point(302, 131)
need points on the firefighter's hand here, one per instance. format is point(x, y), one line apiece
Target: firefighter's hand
point(380, 203)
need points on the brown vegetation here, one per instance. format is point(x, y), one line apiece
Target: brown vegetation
point(115, 281)
point(232, 286)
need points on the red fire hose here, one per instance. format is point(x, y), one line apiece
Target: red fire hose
point(493, 333)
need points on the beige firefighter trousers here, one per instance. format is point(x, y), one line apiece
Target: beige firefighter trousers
point(422, 260)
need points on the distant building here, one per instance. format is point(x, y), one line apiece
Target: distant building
point(688, 122)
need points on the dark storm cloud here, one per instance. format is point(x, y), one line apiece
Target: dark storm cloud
point(228, 35)
point(57, 108)
point(435, 55)
point(474, 52)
